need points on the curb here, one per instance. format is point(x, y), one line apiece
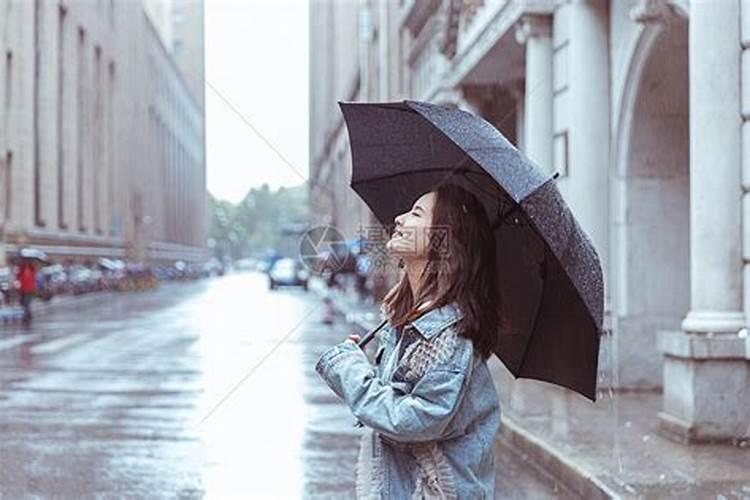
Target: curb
point(573, 476)
point(577, 479)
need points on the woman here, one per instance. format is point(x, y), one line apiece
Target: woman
point(429, 404)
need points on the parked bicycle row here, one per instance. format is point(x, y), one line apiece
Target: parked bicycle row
point(30, 274)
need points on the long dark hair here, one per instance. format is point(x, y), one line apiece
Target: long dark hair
point(460, 268)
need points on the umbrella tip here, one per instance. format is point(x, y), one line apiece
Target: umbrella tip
point(556, 175)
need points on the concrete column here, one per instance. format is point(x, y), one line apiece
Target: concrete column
point(384, 50)
point(586, 187)
point(536, 32)
point(745, 99)
point(715, 240)
point(706, 371)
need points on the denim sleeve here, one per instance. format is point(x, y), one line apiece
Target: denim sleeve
point(422, 414)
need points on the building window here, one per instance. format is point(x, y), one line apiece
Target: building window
point(8, 81)
point(97, 140)
point(38, 209)
point(8, 184)
point(560, 153)
point(80, 130)
point(7, 167)
point(111, 147)
point(60, 120)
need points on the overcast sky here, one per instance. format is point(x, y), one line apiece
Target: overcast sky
point(256, 67)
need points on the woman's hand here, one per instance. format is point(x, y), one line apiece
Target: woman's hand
point(353, 338)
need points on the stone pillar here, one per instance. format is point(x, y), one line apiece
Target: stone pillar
point(586, 186)
point(536, 32)
point(706, 376)
point(534, 99)
point(716, 283)
point(384, 50)
point(745, 103)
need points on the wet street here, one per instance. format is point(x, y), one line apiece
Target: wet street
point(195, 390)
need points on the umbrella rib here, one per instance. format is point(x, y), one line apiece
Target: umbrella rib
point(477, 186)
point(459, 170)
point(538, 306)
point(420, 171)
point(501, 218)
point(389, 176)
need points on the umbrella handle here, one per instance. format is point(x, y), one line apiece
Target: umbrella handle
point(369, 335)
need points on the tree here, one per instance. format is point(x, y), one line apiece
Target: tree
point(254, 224)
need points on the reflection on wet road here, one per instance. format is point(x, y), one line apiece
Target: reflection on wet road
point(193, 390)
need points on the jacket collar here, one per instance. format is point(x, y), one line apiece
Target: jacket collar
point(436, 320)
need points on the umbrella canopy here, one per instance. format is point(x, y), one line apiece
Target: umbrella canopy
point(549, 273)
point(32, 254)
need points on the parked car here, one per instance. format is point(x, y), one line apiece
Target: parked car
point(212, 267)
point(287, 272)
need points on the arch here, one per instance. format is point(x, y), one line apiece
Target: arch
point(651, 202)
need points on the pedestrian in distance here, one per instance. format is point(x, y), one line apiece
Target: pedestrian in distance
point(27, 287)
point(427, 403)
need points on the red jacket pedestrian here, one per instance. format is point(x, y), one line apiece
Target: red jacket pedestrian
point(27, 278)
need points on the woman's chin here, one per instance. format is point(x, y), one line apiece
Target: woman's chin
point(393, 250)
point(397, 250)
point(392, 246)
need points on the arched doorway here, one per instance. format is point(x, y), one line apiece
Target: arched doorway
point(653, 209)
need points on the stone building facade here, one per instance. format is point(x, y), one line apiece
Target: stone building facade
point(82, 172)
point(188, 46)
point(652, 156)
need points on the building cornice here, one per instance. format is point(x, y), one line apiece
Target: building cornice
point(533, 25)
point(659, 11)
point(417, 13)
point(450, 18)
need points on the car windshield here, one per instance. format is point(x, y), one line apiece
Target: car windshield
point(284, 265)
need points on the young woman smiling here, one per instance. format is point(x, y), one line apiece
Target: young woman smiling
point(429, 405)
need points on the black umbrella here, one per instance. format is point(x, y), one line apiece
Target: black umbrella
point(548, 269)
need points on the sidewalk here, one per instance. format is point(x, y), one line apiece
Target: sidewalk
point(607, 449)
point(14, 313)
point(41, 307)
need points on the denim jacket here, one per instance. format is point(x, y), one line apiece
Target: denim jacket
point(429, 409)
